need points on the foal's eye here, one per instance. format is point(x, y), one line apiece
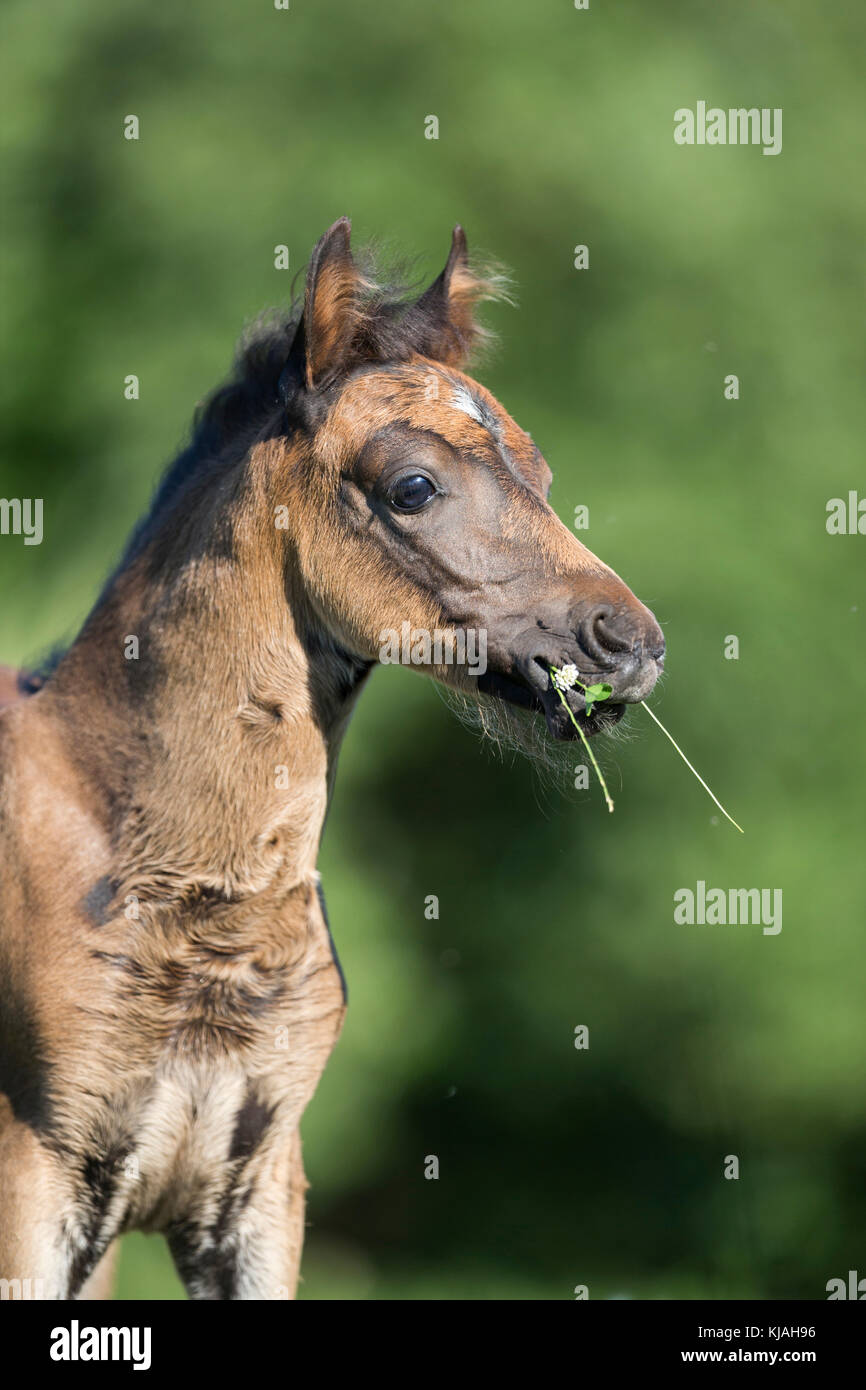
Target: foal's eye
point(411, 492)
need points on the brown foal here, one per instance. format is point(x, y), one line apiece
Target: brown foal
point(169, 992)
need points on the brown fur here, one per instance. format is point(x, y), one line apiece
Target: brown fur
point(10, 692)
point(170, 994)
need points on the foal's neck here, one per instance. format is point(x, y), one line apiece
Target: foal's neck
point(202, 710)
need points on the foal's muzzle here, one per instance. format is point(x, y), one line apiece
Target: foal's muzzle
point(627, 643)
point(618, 644)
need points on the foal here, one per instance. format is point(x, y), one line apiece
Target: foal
point(170, 992)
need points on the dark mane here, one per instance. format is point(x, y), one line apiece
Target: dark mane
point(230, 418)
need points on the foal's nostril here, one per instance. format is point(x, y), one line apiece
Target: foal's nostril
point(602, 637)
point(614, 641)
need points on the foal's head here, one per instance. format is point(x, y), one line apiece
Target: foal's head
point(418, 507)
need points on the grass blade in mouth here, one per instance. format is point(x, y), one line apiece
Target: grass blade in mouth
point(692, 769)
point(564, 678)
point(584, 739)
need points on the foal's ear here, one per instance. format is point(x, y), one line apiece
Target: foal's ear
point(332, 308)
point(444, 316)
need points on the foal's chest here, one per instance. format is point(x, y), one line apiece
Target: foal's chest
point(215, 1033)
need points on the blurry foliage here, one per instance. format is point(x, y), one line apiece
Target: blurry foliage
point(260, 127)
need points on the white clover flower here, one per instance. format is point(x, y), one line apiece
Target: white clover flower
point(567, 677)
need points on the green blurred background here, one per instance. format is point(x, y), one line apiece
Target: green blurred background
point(258, 127)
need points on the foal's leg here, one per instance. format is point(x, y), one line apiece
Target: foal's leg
point(249, 1247)
point(34, 1256)
point(101, 1282)
point(50, 1244)
point(272, 1229)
